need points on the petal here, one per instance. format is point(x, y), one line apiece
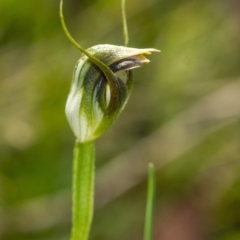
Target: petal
point(110, 54)
point(129, 63)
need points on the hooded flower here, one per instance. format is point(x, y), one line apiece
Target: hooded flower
point(95, 99)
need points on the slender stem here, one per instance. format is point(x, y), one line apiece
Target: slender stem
point(83, 190)
point(125, 28)
point(126, 42)
point(105, 69)
point(150, 202)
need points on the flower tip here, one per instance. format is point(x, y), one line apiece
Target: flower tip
point(145, 61)
point(150, 50)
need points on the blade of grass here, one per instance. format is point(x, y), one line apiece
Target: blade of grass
point(150, 203)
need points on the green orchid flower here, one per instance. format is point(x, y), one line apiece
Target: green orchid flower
point(95, 100)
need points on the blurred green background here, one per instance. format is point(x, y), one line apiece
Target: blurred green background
point(183, 115)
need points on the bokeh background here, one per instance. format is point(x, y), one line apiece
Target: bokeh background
point(183, 115)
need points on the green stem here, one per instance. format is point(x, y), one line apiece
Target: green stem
point(150, 202)
point(83, 190)
point(105, 69)
point(125, 28)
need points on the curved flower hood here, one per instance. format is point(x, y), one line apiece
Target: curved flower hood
point(94, 100)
